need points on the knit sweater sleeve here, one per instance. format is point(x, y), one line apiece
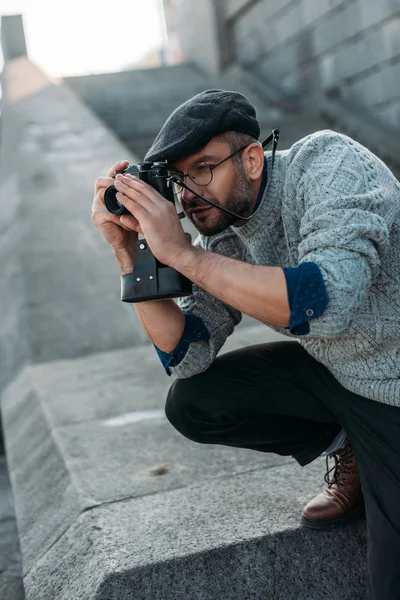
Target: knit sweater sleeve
point(346, 213)
point(218, 318)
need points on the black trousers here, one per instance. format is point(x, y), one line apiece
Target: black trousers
point(277, 398)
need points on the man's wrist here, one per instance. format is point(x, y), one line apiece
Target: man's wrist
point(125, 261)
point(186, 261)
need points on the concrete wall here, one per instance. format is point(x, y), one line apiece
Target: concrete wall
point(345, 48)
point(197, 27)
point(350, 49)
point(12, 37)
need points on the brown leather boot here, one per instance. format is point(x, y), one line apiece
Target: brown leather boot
point(342, 501)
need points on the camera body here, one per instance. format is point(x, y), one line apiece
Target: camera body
point(151, 279)
point(155, 174)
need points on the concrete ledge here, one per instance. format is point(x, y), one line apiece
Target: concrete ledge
point(112, 502)
point(84, 432)
point(233, 538)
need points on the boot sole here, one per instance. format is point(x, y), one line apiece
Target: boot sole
point(355, 513)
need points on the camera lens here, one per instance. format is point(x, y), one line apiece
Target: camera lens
point(111, 202)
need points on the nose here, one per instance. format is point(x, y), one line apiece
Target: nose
point(186, 194)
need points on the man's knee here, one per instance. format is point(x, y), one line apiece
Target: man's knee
point(180, 410)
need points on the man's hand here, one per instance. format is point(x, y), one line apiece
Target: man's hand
point(122, 236)
point(155, 216)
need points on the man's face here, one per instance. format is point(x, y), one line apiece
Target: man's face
point(230, 188)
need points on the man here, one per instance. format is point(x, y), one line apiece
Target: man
point(309, 244)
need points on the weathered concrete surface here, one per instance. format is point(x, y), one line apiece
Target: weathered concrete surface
point(234, 538)
point(60, 284)
point(11, 585)
point(72, 423)
point(107, 526)
point(6, 502)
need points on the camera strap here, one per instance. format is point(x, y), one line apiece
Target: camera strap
point(273, 137)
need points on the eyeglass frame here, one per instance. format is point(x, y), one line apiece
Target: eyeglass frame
point(212, 167)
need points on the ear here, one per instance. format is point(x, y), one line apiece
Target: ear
point(253, 161)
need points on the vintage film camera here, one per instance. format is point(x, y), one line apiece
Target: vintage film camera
point(151, 279)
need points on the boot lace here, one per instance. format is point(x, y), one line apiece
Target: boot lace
point(343, 459)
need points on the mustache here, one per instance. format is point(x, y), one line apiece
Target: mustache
point(187, 207)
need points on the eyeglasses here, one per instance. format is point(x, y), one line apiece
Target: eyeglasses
point(201, 173)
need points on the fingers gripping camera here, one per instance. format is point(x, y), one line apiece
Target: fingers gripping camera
point(155, 174)
point(151, 279)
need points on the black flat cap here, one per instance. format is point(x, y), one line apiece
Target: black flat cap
point(192, 125)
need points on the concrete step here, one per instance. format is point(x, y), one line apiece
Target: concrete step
point(112, 502)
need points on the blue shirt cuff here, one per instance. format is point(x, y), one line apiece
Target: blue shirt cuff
point(194, 331)
point(307, 296)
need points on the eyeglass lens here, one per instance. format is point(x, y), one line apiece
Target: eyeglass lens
point(200, 174)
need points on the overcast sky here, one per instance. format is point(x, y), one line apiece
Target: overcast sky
point(87, 36)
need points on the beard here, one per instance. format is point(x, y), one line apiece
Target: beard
point(239, 201)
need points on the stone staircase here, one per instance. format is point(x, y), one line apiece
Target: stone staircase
point(135, 104)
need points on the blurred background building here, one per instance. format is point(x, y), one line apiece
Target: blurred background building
point(305, 64)
point(349, 50)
